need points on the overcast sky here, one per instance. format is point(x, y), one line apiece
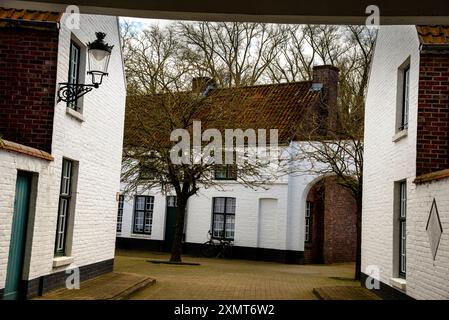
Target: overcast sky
point(140, 22)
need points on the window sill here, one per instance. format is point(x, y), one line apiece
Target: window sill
point(399, 283)
point(62, 261)
point(75, 114)
point(141, 235)
point(400, 135)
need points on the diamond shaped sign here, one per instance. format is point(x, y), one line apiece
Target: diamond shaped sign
point(434, 229)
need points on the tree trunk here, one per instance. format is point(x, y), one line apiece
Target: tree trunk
point(358, 258)
point(176, 251)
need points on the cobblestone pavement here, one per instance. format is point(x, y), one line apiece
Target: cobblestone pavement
point(221, 279)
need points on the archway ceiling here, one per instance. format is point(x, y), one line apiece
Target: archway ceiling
point(283, 11)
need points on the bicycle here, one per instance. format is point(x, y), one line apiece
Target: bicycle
point(216, 248)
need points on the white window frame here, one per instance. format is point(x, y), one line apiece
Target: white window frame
point(223, 219)
point(121, 202)
point(65, 197)
point(402, 229)
point(308, 222)
point(146, 213)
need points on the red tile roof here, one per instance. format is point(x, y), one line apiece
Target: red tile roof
point(433, 34)
point(30, 15)
point(275, 106)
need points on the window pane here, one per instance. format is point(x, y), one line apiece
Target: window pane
point(220, 172)
point(308, 221)
point(403, 247)
point(140, 203)
point(403, 199)
point(402, 227)
point(405, 102)
point(230, 205)
point(230, 226)
point(171, 201)
point(62, 216)
point(149, 203)
point(232, 172)
point(74, 65)
point(406, 95)
point(63, 209)
point(66, 177)
point(148, 222)
point(218, 226)
point(121, 201)
point(138, 221)
point(308, 207)
point(219, 205)
point(143, 214)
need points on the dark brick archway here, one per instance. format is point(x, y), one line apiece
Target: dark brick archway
point(332, 224)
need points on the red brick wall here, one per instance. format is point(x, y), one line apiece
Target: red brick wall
point(28, 62)
point(313, 249)
point(334, 237)
point(340, 233)
point(433, 114)
point(327, 111)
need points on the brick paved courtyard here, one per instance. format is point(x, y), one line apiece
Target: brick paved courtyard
point(231, 279)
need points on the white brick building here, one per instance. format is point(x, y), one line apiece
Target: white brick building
point(263, 224)
point(406, 138)
point(88, 138)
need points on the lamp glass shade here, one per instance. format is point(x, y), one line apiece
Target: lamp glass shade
point(98, 60)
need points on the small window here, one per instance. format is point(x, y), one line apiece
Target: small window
point(143, 214)
point(121, 200)
point(308, 221)
point(74, 70)
point(402, 228)
point(223, 218)
point(172, 202)
point(403, 97)
point(225, 172)
point(65, 197)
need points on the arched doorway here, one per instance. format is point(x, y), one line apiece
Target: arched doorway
point(330, 223)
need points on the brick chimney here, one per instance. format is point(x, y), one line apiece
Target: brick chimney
point(326, 77)
point(200, 84)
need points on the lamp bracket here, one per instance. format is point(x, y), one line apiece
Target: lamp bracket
point(71, 92)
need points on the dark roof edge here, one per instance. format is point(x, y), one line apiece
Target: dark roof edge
point(8, 22)
point(442, 48)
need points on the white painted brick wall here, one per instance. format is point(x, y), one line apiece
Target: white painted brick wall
point(288, 232)
point(95, 143)
point(387, 162)
point(9, 164)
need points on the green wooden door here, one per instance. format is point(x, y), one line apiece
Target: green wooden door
point(18, 236)
point(170, 223)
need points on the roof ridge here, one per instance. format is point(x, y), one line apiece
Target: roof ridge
point(266, 85)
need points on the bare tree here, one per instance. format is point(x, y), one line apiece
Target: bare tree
point(339, 151)
point(161, 62)
point(147, 159)
point(153, 59)
point(232, 53)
